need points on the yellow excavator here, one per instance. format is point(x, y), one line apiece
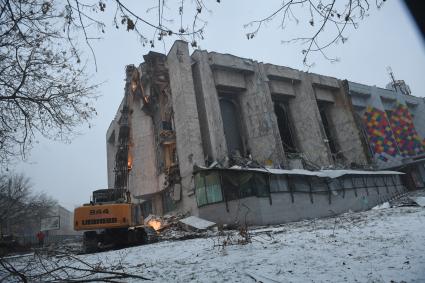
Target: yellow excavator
point(112, 219)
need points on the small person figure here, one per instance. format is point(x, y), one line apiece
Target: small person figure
point(40, 237)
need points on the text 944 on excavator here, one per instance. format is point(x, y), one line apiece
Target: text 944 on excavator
point(111, 220)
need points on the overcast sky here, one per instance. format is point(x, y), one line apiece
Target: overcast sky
point(388, 37)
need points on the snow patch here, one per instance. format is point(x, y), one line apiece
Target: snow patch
point(320, 173)
point(382, 206)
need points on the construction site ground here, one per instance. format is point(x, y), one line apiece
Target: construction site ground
point(385, 244)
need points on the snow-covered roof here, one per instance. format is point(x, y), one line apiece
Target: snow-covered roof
point(320, 173)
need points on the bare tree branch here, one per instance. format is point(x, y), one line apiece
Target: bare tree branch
point(334, 18)
point(43, 87)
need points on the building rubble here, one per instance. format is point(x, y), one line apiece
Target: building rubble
point(181, 227)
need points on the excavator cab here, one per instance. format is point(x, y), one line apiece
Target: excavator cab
point(111, 196)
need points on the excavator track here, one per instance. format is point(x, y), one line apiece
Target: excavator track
point(118, 238)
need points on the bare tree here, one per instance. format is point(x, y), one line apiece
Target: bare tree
point(60, 266)
point(43, 86)
point(152, 22)
point(328, 22)
point(20, 207)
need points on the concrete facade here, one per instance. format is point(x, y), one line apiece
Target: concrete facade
point(255, 86)
point(218, 110)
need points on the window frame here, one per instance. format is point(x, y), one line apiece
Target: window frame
point(254, 183)
point(202, 175)
point(233, 98)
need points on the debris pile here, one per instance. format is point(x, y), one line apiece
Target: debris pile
point(179, 227)
point(412, 199)
point(154, 221)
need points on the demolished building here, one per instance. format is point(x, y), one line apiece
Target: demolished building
point(229, 139)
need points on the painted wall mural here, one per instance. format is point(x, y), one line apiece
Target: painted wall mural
point(392, 134)
point(378, 129)
point(408, 140)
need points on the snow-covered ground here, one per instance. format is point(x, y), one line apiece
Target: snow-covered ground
point(380, 245)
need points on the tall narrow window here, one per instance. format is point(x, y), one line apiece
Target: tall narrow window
point(323, 109)
point(285, 127)
point(231, 126)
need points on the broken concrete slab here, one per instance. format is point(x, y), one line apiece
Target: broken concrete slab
point(194, 223)
point(403, 201)
point(419, 200)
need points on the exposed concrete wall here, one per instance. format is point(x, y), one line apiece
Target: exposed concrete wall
point(210, 120)
point(262, 133)
point(111, 145)
point(230, 62)
point(143, 178)
point(245, 81)
point(229, 79)
point(344, 126)
point(111, 139)
point(186, 121)
point(215, 72)
point(416, 107)
point(306, 118)
point(419, 116)
point(259, 211)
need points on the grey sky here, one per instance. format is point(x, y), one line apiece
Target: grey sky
point(388, 37)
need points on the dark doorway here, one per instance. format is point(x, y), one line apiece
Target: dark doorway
point(412, 179)
point(231, 126)
point(323, 109)
point(284, 123)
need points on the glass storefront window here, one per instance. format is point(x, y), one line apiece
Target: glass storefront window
point(235, 185)
point(208, 189)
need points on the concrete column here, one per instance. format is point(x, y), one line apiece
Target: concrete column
point(419, 118)
point(279, 156)
point(186, 120)
point(111, 139)
point(259, 119)
point(143, 178)
point(347, 134)
point(214, 141)
point(306, 118)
